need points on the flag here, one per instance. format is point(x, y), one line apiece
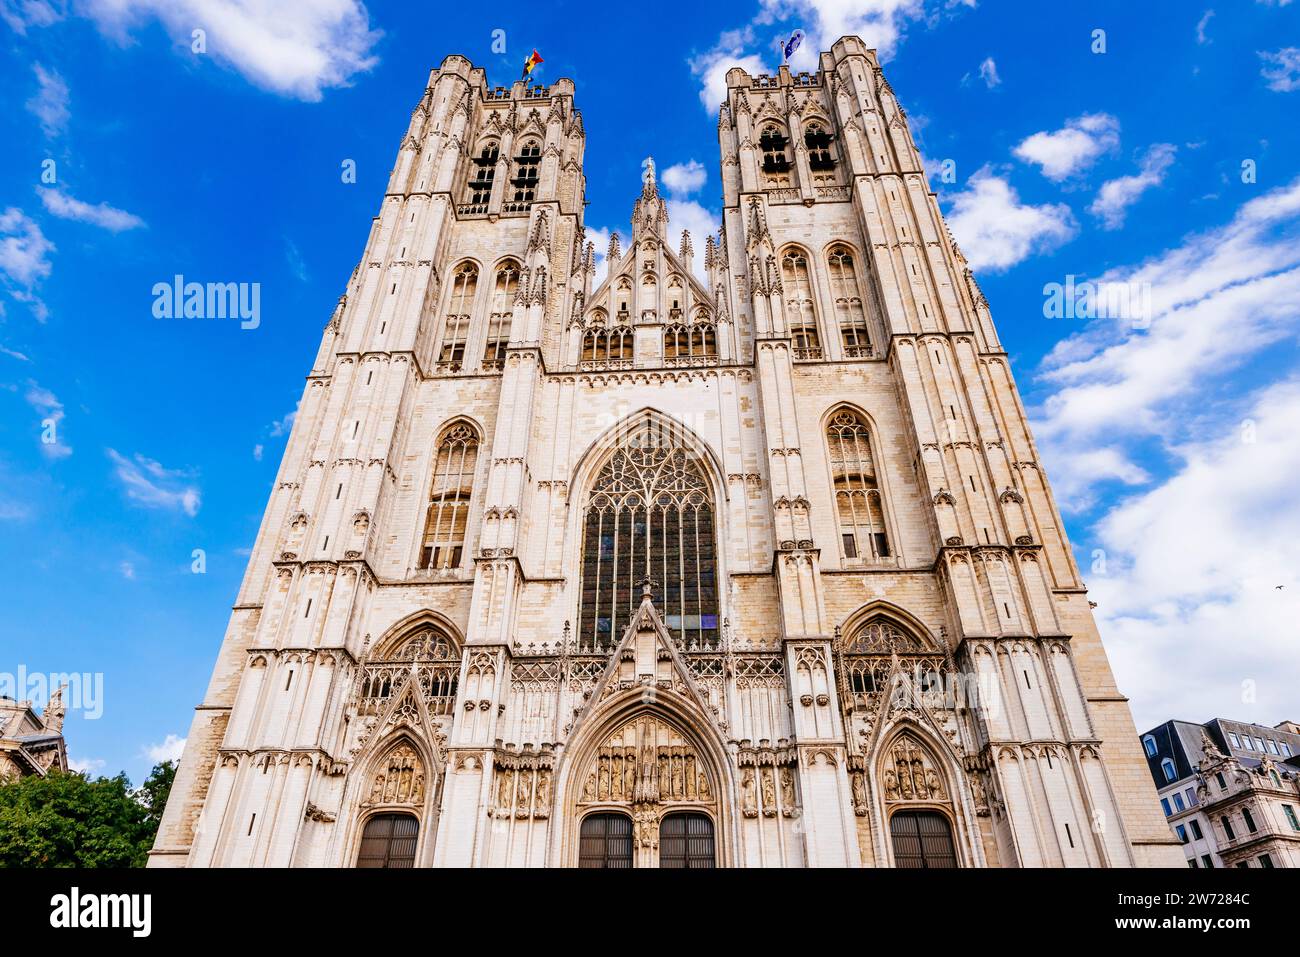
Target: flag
point(531, 62)
point(789, 46)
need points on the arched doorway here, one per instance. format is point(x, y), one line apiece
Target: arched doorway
point(606, 841)
point(389, 840)
point(686, 841)
point(922, 839)
point(643, 768)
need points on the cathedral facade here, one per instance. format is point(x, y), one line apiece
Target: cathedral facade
point(740, 561)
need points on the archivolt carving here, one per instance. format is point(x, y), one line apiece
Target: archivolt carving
point(399, 779)
point(647, 761)
point(909, 774)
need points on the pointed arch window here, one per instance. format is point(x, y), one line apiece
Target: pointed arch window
point(449, 499)
point(649, 514)
point(430, 654)
point(608, 347)
point(818, 141)
point(527, 169)
point(688, 345)
point(801, 314)
point(482, 174)
point(849, 313)
point(858, 503)
point(504, 290)
point(460, 309)
point(776, 161)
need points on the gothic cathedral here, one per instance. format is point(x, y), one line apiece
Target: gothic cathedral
point(744, 562)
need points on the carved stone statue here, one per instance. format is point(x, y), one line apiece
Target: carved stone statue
point(749, 794)
point(787, 791)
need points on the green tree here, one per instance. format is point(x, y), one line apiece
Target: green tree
point(68, 820)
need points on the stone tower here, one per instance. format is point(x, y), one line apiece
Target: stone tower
point(750, 564)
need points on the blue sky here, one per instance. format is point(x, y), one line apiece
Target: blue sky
point(1171, 441)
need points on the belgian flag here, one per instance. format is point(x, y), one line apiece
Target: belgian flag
point(531, 62)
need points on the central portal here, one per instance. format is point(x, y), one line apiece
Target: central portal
point(647, 800)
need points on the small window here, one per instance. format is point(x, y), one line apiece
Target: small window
point(1265, 861)
point(1286, 748)
point(1236, 742)
point(1223, 785)
point(1178, 802)
point(1191, 798)
point(1167, 767)
point(1197, 833)
point(1208, 861)
point(1291, 818)
point(1149, 743)
point(1228, 832)
point(1249, 819)
point(1181, 832)
point(1164, 803)
point(1272, 746)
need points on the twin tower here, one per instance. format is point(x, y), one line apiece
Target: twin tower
point(737, 556)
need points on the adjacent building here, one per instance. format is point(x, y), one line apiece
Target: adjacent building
point(744, 560)
point(1230, 790)
point(31, 743)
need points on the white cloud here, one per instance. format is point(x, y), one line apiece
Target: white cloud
point(169, 750)
point(690, 215)
point(108, 217)
point(21, 14)
point(1217, 300)
point(297, 49)
point(1073, 148)
point(996, 230)
point(24, 258)
point(682, 179)
point(989, 73)
point(128, 570)
point(50, 104)
point(50, 409)
point(600, 239)
point(285, 425)
point(1191, 576)
point(86, 766)
point(1117, 195)
point(150, 484)
point(880, 24)
point(712, 67)
point(1283, 69)
point(1204, 22)
point(5, 350)
point(257, 452)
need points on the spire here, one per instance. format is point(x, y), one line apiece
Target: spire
point(710, 252)
point(614, 254)
point(687, 251)
point(650, 214)
point(54, 712)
